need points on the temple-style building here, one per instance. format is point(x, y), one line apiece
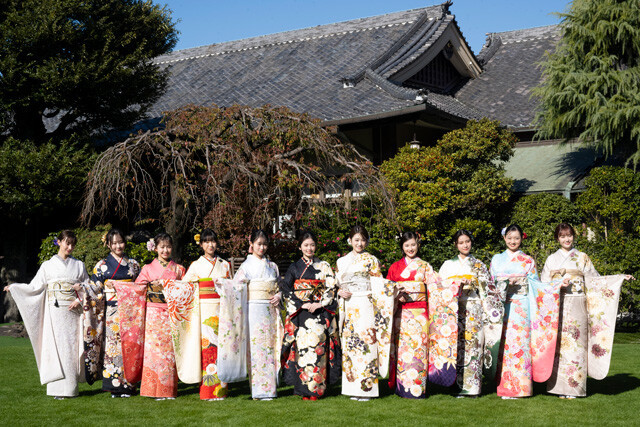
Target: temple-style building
point(387, 80)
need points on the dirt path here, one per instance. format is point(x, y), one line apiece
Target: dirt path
point(15, 330)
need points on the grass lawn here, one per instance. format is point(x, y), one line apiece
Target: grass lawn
point(612, 401)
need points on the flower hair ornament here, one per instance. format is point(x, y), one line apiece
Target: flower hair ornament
point(151, 245)
point(103, 239)
point(524, 235)
point(197, 238)
point(504, 231)
point(56, 242)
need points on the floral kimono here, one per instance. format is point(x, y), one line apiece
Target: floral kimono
point(311, 352)
point(409, 360)
point(101, 293)
point(264, 324)
point(587, 321)
point(54, 331)
point(194, 307)
point(365, 324)
point(480, 315)
point(530, 324)
point(158, 375)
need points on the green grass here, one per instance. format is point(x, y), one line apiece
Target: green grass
point(613, 400)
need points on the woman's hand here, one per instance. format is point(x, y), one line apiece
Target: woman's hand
point(77, 287)
point(314, 306)
point(566, 282)
point(344, 294)
point(73, 305)
point(6, 289)
point(626, 277)
point(276, 299)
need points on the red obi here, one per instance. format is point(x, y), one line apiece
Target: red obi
point(308, 290)
point(207, 289)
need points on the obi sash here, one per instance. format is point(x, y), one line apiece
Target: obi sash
point(207, 289)
point(356, 284)
point(154, 294)
point(307, 290)
point(260, 290)
point(576, 282)
point(110, 293)
point(520, 287)
point(61, 291)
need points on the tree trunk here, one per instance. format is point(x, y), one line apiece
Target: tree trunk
point(174, 225)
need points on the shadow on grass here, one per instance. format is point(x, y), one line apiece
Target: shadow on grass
point(612, 385)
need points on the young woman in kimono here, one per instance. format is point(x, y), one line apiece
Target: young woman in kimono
point(205, 270)
point(264, 321)
point(115, 267)
point(366, 312)
point(480, 314)
point(311, 353)
point(159, 376)
point(410, 340)
point(586, 329)
point(51, 309)
point(530, 321)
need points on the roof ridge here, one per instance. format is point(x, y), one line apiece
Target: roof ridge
point(396, 20)
point(391, 88)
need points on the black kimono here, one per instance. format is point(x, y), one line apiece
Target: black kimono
point(311, 353)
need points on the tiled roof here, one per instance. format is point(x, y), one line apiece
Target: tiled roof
point(503, 90)
point(333, 72)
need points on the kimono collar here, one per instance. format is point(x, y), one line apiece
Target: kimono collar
point(513, 255)
point(212, 261)
point(308, 263)
point(165, 264)
point(123, 259)
point(64, 261)
point(409, 261)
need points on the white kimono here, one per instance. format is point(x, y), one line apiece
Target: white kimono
point(55, 332)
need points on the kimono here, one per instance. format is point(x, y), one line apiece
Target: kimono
point(54, 331)
point(159, 375)
point(587, 321)
point(102, 301)
point(194, 309)
point(365, 324)
point(264, 324)
point(480, 315)
point(311, 352)
point(530, 324)
point(409, 359)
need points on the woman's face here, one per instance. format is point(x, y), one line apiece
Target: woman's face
point(164, 249)
point(209, 247)
point(65, 248)
point(565, 238)
point(260, 246)
point(117, 245)
point(359, 243)
point(513, 239)
point(410, 248)
point(464, 245)
point(308, 248)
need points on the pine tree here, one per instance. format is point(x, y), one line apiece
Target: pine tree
point(591, 86)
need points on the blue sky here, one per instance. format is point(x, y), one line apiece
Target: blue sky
point(205, 22)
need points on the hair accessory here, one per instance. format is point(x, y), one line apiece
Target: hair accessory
point(504, 231)
point(524, 236)
point(151, 245)
point(197, 238)
point(103, 239)
point(56, 242)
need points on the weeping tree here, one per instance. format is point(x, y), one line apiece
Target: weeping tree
point(233, 169)
point(591, 86)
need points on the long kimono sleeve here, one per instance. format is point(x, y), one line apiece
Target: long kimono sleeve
point(545, 276)
point(292, 302)
point(329, 298)
point(145, 274)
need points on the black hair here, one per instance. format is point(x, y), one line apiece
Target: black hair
point(408, 235)
point(113, 233)
point(563, 227)
point(208, 235)
point(359, 229)
point(513, 227)
point(163, 237)
point(69, 235)
point(307, 234)
point(462, 232)
point(256, 234)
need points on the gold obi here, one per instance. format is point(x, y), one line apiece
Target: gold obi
point(154, 293)
point(414, 291)
point(110, 291)
point(576, 280)
point(356, 283)
point(308, 290)
point(469, 289)
point(61, 291)
point(260, 290)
